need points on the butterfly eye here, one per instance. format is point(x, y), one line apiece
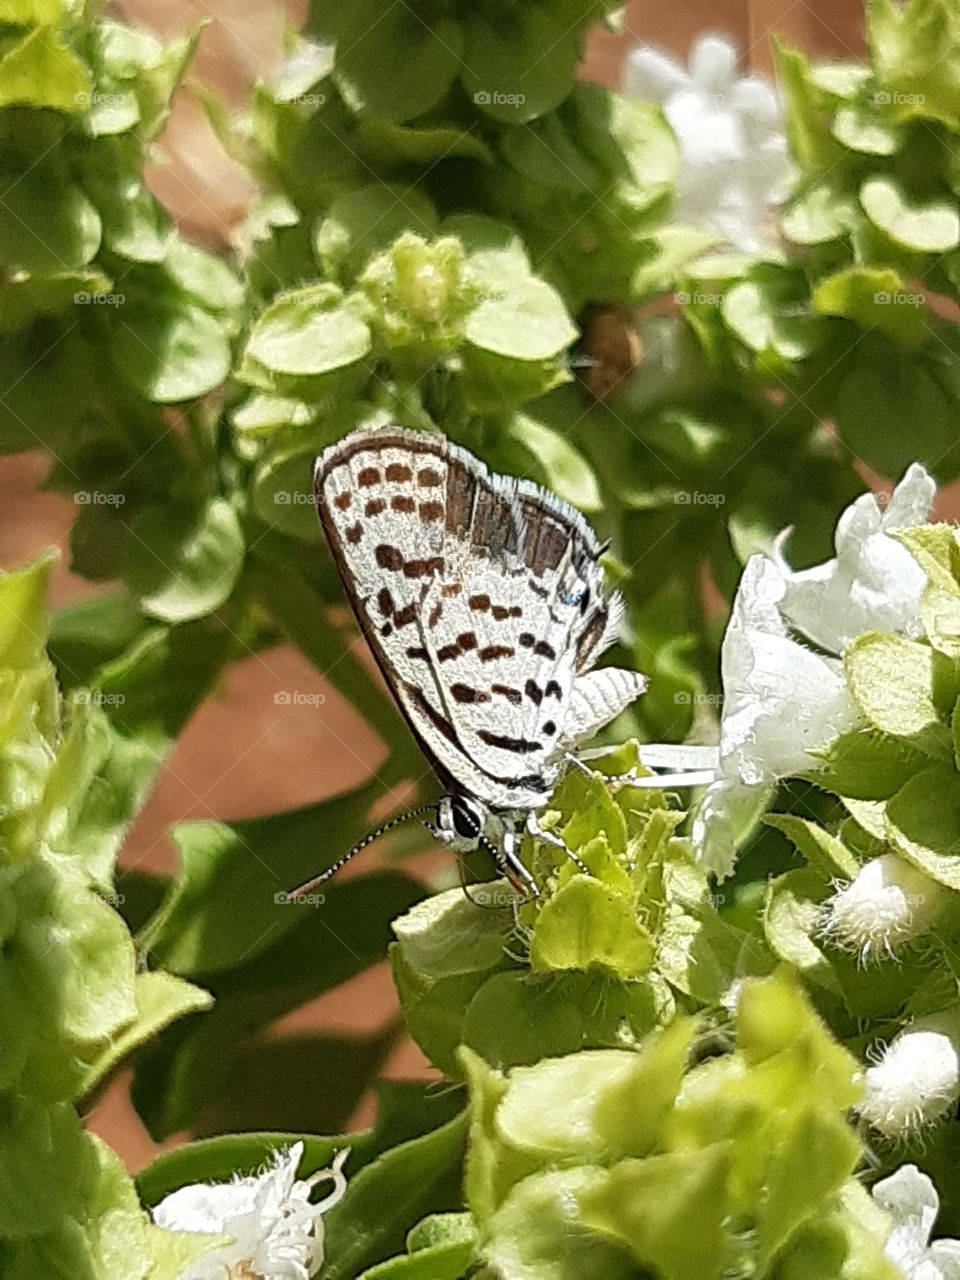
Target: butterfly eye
point(466, 818)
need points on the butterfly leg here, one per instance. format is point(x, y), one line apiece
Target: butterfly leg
point(537, 832)
point(513, 868)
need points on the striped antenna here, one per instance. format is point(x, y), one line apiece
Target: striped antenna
point(324, 876)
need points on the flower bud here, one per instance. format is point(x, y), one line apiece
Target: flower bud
point(888, 903)
point(917, 1080)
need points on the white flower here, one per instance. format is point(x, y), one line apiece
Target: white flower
point(888, 902)
point(276, 1233)
point(911, 1200)
point(735, 165)
point(917, 1079)
point(781, 702)
point(874, 584)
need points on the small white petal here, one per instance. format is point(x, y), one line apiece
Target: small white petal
point(713, 63)
point(652, 76)
point(918, 1078)
point(911, 1200)
point(874, 584)
point(888, 903)
point(945, 1255)
point(755, 99)
point(726, 812)
point(781, 701)
point(707, 134)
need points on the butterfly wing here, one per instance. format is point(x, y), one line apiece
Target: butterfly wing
point(480, 596)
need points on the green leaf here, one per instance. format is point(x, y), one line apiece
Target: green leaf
point(168, 347)
point(914, 52)
point(755, 313)
point(816, 1152)
point(441, 1247)
point(651, 1204)
point(446, 935)
point(359, 223)
point(931, 227)
point(875, 298)
point(375, 76)
point(210, 1072)
point(792, 917)
point(517, 1018)
point(389, 1196)
point(72, 952)
point(819, 215)
point(538, 1232)
point(41, 70)
point(595, 1106)
point(47, 224)
point(161, 999)
point(567, 471)
point(862, 129)
point(184, 561)
point(125, 1244)
point(23, 613)
point(519, 64)
point(222, 906)
point(283, 495)
point(587, 924)
point(529, 323)
point(865, 765)
point(925, 831)
point(825, 853)
point(898, 684)
point(309, 332)
point(37, 1193)
point(886, 387)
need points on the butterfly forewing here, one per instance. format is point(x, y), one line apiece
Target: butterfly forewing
point(480, 596)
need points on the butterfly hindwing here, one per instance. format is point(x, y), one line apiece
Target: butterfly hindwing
point(480, 596)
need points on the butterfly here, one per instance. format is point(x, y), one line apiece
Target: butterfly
point(481, 597)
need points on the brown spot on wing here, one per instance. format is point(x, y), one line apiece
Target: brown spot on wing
point(544, 649)
point(479, 603)
point(429, 478)
point(375, 506)
point(513, 696)
point(398, 472)
point(533, 692)
point(388, 557)
point(461, 494)
point(493, 651)
point(368, 477)
point(430, 511)
point(385, 602)
point(423, 568)
point(464, 693)
point(467, 640)
point(590, 637)
point(400, 503)
point(342, 501)
point(354, 534)
point(520, 745)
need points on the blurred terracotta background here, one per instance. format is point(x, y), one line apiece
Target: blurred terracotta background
point(242, 755)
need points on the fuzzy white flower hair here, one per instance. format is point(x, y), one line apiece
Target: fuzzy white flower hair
point(275, 1232)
